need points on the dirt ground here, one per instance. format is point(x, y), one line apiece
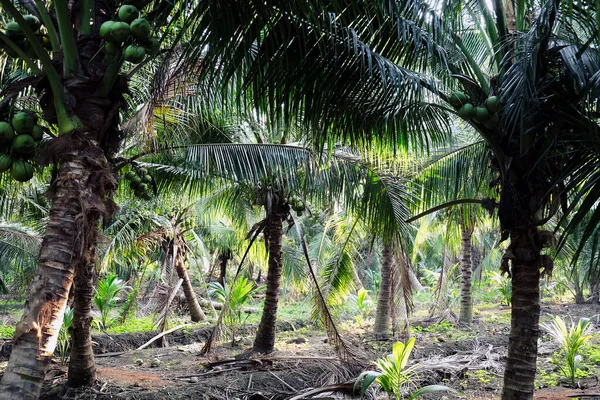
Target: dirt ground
point(468, 359)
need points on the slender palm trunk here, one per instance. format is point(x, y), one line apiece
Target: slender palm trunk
point(76, 206)
point(265, 336)
point(594, 291)
point(82, 366)
point(224, 257)
point(466, 299)
point(519, 375)
point(382, 314)
point(196, 312)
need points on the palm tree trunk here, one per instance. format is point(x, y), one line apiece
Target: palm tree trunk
point(594, 291)
point(265, 336)
point(82, 366)
point(224, 257)
point(519, 375)
point(79, 197)
point(382, 314)
point(196, 312)
point(466, 299)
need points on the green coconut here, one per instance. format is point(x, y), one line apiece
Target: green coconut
point(134, 53)
point(129, 175)
point(142, 187)
point(136, 180)
point(142, 171)
point(481, 114)
point(21, 171)
point(23, 122)
point(111, 48)
point(467, 111)
point(140, 28)
point(13, 30)
point(37, 133)
point(105, 30)
point(128, 13)
point(147, 179)
point(119, 31)
point(33, 22)
point(7, 133)
point(152, 45)
point(491, 103)
point(23, 144)
point(5, 162)
point(457, 99)
point(46, 42)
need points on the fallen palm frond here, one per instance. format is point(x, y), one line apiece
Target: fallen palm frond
point(342, 348)
point(482, 357)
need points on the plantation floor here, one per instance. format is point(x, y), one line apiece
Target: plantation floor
point(470, 360)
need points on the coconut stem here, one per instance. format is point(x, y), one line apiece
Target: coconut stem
point(49, 24)
point(87, 15)
point(111, 74)
point(67, 38)
point(472, 63)
point(22, 55)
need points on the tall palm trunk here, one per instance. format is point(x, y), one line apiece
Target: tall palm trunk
point(265, 336)
point(196, 312)
point(382, 314)
point(466, 299)
point(78, 200)
point(524, 254)
point(82, 366)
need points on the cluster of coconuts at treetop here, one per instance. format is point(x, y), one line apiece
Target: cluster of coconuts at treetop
point(14, 32)
point(131, 35)
point(141, 182)
point(297, 205)
point(18, 142)
point(484, 114)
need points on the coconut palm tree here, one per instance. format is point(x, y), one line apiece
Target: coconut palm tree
point(522, 75)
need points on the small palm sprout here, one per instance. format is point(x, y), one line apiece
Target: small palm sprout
point(64, 341)
point(394, 377)
point(234, 298)
point(571, 339)
point(106, 298)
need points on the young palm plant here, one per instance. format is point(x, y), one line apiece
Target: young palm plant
point(106, 298)
point(234, 298)
point(571, 339)
point(395, 377)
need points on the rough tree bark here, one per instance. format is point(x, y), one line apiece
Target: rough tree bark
point(265, 336)
point(82, 366)
point(526, 262)
point(196, 312)
point(78, 200)
point(466, 299)
point(382, 314)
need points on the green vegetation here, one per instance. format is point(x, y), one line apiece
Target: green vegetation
point(394, 377)
point(571, 340)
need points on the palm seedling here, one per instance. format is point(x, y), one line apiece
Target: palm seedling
point(571, 339)
point(395, 377)
point(106, 298)
point(64, 342)
point(234, 298)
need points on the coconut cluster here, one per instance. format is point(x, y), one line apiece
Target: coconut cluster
point(140, 182)
point(130, 35)
point(14, 32)
point(297, 205)
point(18, 143)
point(485, 114)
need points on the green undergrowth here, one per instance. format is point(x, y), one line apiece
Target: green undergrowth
point(7, 332)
